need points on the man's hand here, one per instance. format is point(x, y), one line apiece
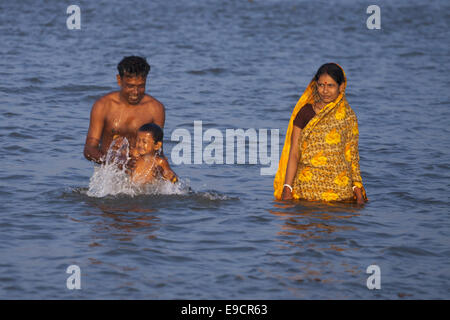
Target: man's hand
point(131, 164)
point(92, 153)
point(134, 155)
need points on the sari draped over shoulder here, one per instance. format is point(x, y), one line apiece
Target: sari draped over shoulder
point(328, 165)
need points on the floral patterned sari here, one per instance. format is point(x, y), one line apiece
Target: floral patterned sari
point(328, 165)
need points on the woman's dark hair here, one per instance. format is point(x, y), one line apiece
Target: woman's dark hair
point(154, 129)
point(333, 70)
point(134, 66)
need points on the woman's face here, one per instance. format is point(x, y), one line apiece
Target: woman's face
point(328, 89)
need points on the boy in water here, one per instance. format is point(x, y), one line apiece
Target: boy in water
point(149, 164)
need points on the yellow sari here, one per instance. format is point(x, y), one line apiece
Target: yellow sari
point(328, 167)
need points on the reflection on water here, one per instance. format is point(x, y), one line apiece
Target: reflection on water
point(313, 221)
point(118, 229)
point(122, 222)
point(314, 234)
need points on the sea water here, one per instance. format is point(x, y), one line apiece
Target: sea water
point(232, 65)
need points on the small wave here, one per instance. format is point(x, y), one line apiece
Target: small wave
point(109, 180)
point(10, 114)
point(213, 71)
point(214, 196)
point(81, 88)
point(408, 251)
point(411, 54)
point(160, 188)
point(20, 135)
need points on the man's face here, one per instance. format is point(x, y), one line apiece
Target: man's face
point(132, 88)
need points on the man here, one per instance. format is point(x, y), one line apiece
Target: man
point(122, 113)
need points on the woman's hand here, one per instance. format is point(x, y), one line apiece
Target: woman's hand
point(291, 169)
point(287, 194)
point(359, 197)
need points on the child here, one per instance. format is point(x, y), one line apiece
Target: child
point(149, 164)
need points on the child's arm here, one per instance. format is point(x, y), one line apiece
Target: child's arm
point(167, 172)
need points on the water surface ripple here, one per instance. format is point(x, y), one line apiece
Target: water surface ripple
point(230, 64)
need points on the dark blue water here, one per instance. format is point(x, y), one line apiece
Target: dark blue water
point(230, 64)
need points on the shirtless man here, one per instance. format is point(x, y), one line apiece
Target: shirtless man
point(122, 113)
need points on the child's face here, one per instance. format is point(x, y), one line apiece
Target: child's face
point(145, 144)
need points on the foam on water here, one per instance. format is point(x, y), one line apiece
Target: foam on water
point(111, 177)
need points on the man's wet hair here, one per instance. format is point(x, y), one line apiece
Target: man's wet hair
point(154, 129)
point(133, 66)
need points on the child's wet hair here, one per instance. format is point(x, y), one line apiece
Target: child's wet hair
point(154, 129)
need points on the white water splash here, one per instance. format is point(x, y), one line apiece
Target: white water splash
point(111, 179)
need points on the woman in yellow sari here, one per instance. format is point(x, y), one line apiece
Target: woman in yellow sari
point(320, 158)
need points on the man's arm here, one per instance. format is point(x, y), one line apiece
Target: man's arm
point(159, 118)
point(159, 115)
point(91, 147)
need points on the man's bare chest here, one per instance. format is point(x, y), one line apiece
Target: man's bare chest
point(125, 122)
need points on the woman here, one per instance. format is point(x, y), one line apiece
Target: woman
point(320, 158)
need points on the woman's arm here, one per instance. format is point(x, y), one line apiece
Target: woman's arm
point(294, 156)
point(359, 196)
point(358, 188)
